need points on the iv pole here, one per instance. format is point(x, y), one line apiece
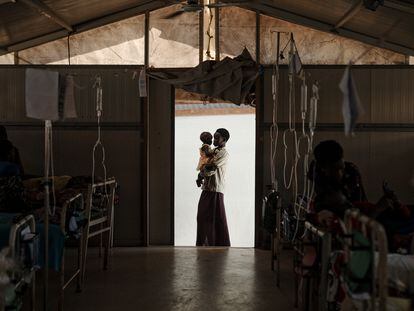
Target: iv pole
point(48, 127)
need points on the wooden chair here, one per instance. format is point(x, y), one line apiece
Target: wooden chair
point(99, 218)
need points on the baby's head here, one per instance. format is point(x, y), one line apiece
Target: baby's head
point(206, 138)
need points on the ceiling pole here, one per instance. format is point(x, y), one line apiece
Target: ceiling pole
point(145, 134)
point(349, 14)
point(201, 34)
point(217, 32)
point(258, 42)
point(16, 58)
point(44, 10)
point(146, 39)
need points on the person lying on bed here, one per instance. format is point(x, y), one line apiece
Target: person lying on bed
point(338, 187)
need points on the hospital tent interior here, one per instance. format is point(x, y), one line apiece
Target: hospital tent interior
point(89, 94)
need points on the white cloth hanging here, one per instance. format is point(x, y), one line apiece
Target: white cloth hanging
point(297, 63)
point(351, 107)
point(42, 94)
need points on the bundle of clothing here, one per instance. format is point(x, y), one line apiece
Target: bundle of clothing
point(231, 79)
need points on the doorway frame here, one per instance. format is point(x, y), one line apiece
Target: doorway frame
point(258, 236)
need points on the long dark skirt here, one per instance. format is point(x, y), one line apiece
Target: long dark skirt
point(211, 220)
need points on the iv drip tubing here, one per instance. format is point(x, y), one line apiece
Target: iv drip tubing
point(291, 137)
point(308, 189)
point(274, 129)
point(292, 119)
point(98, 143)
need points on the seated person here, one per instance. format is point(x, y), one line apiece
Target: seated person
point(14, 155)
point(337, 183)
point(338, 187)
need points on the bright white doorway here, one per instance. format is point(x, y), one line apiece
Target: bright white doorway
point(240, 176)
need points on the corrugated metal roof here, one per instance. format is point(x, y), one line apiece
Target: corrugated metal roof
point(391, 26)
point(27, 23)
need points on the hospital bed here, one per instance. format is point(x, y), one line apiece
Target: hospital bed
point(311, 260)
point(362, 245)
point(22, 246)
point(70, 206)
point(58, 236)
point(99, 213)
point(390, 272)
point(284, 227)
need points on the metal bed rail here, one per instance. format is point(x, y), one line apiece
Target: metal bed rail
point(375, 232)
point(102, 224)
point(15, 229)
point(77, 274)
point(323, 241)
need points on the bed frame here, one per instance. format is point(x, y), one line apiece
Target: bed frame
point(13, 238)
point(78, 272)
point(322, 241)
point(276, 243)
point(375, 232)
point(102, 224)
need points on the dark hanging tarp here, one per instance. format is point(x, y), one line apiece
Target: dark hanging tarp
point(230, 79)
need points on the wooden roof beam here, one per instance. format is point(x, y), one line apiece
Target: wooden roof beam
point(400, 6)
point(43, 9)
point(349, 14)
